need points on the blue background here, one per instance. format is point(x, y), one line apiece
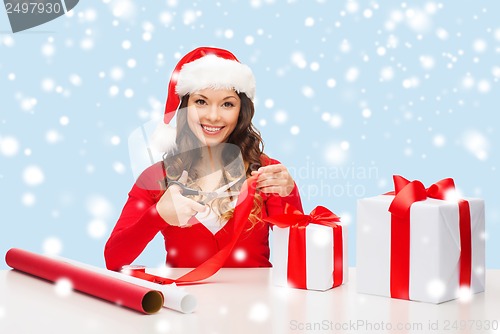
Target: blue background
point(348, 94)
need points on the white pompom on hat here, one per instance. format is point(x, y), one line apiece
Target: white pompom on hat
point(204, 67)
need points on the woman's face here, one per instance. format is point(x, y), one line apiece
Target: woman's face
point(213, 114)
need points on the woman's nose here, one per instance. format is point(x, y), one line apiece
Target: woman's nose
point(213, 113)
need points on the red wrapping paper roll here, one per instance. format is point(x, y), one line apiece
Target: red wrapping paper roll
point(84, 280)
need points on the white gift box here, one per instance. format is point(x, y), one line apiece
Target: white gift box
point(319, 256)
point(434, 248)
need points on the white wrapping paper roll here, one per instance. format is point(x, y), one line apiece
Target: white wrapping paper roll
point(174, 298)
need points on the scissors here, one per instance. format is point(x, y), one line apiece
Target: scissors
point(208, 195)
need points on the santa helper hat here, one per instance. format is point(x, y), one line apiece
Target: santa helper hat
point(202, 68)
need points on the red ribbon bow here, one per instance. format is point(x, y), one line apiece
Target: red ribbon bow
point(297, 221)
point(293, 217)
point(406, 193)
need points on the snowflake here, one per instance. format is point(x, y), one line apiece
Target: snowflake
point(352, 74)
point(33, 175)
point(52, 246)
point(63, 287)
point(281, 116)
point(9, 146)
point(96, 228)
point(259, 312)
point(99, 207)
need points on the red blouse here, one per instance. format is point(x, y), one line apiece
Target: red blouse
point(139, 222)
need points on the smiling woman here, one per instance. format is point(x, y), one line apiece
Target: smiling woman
point(214, 148)
point(212, 115)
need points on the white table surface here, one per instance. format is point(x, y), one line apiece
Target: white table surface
point(243, 301)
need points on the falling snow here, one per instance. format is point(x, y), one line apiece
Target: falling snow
point(9, 146)
point(259, 312)
point(64, 120)
point(345, 90)
point(163, 326)
point(331, 83)
point(476, 144)
point(281, 116)
point(436, 288)
point(387, 73)
point(33, 176)
point(335, 154)
point(352, 74)
point(99, 206)
point(320, 238)
point(439, 140)
point(240, 255)
point(63, 287)
point(298, 59)
point(53, 136)
point(97, 228)
point(308, 91)
point(52, 246)
point(28, 199)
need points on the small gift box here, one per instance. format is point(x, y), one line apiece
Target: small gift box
point(420, 244)
point(309, 251)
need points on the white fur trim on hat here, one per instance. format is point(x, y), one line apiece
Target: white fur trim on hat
point(163, 138)
point(215, 72)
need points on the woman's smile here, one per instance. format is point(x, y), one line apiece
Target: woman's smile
point(211, 130)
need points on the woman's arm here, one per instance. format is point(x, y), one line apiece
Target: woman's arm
point(138, 224)
point(278, 186)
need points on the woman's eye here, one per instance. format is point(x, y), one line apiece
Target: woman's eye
point(228, 105)
point(200, 102)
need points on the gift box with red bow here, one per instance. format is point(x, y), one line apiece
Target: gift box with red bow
point(422, 244)
point(308, 251)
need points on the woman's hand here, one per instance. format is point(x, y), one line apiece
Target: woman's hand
point(274, 179)
point(176, 209)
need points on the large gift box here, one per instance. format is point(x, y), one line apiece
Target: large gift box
point(308, 251)
point(421, 244)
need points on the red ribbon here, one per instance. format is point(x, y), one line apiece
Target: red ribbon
point(297, 221)
point(213, 264)
point(406, 193)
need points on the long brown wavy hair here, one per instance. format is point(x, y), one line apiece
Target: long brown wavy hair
point(245, 137)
